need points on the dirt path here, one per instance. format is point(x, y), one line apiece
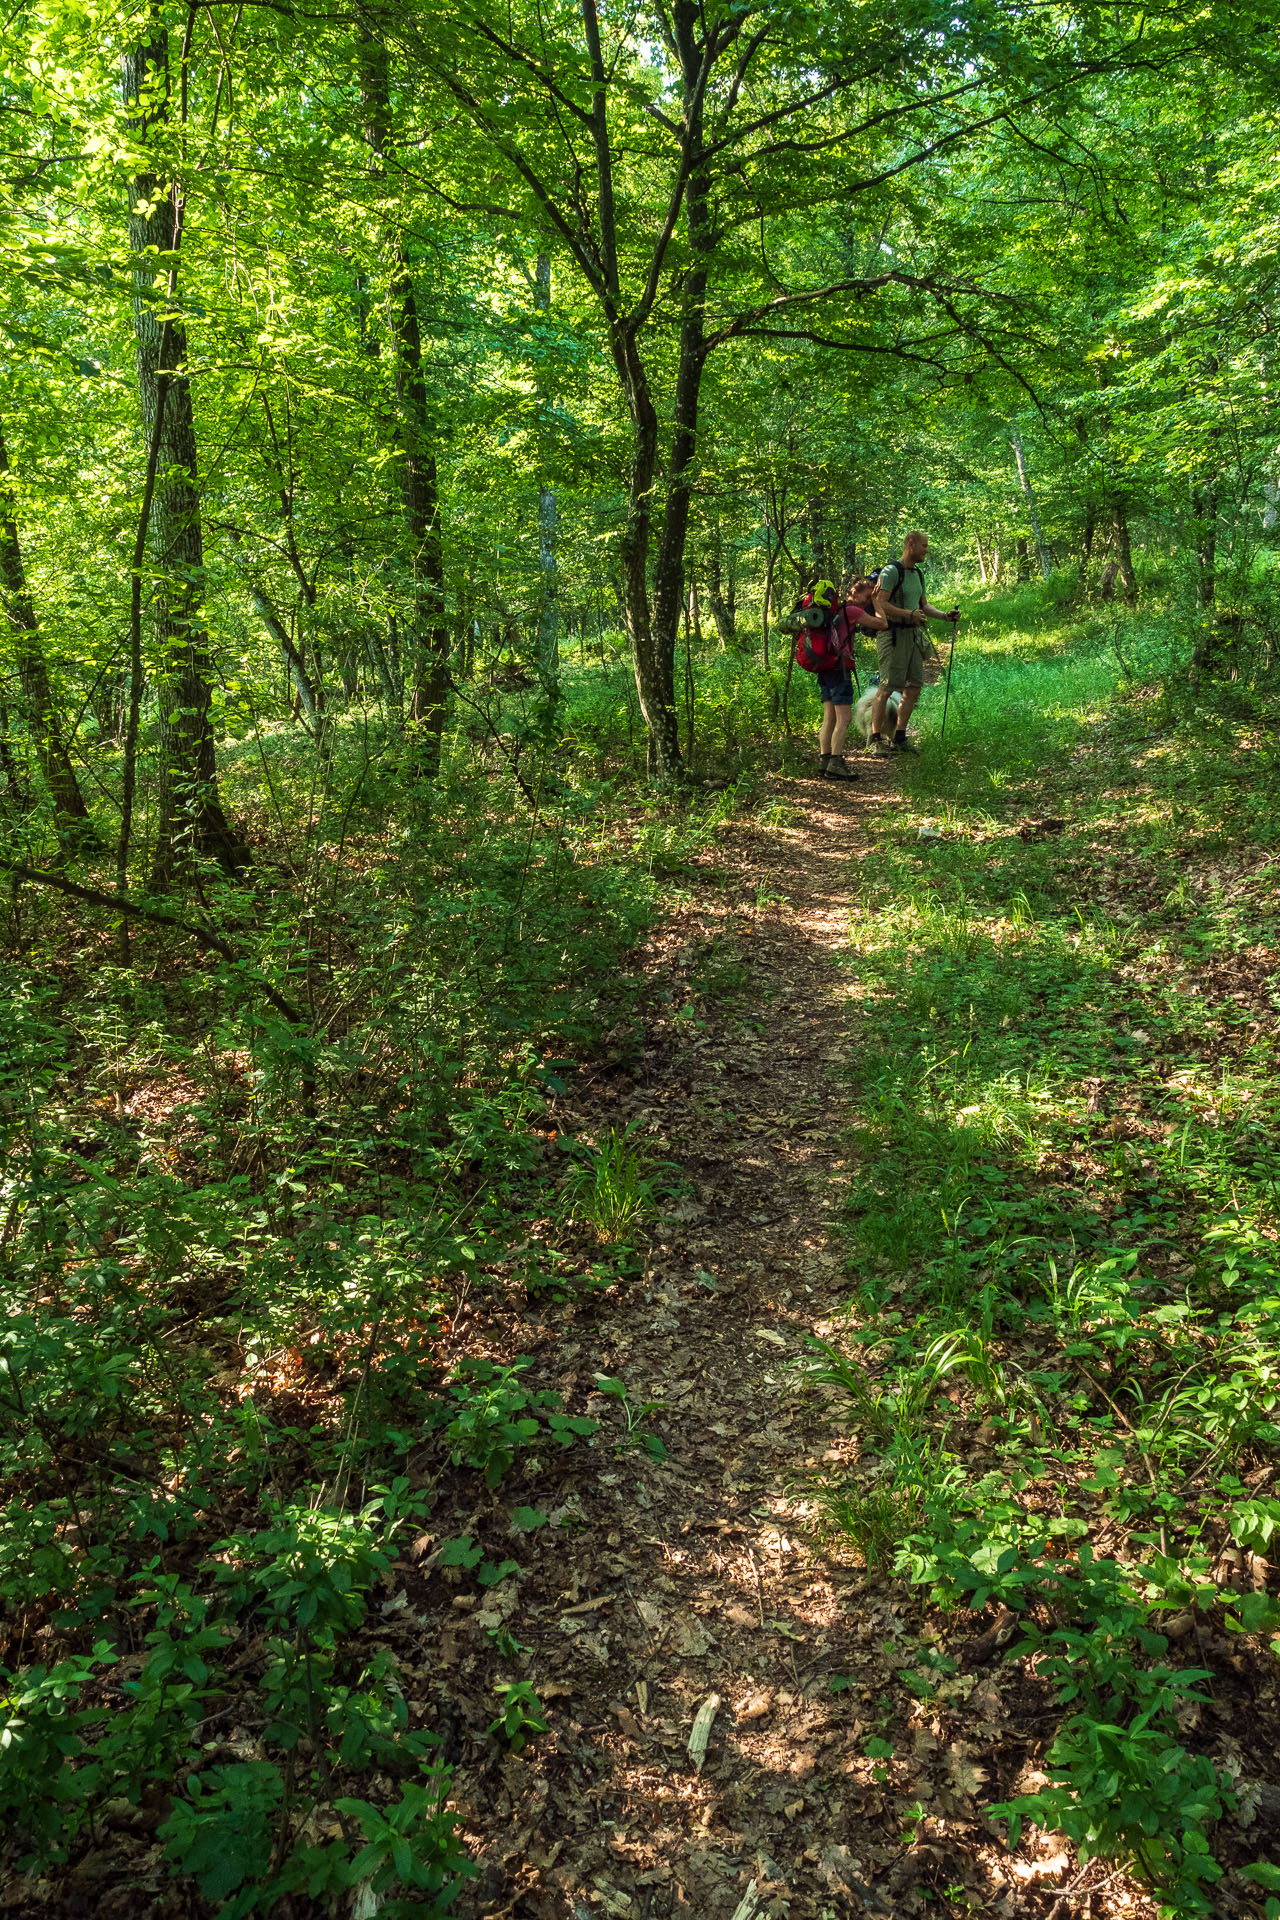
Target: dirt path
point(697, 1576)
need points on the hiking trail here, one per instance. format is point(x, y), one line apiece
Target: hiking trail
point(698, 1575)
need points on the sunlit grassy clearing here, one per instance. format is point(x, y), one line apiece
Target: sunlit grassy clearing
point(1065, 1219)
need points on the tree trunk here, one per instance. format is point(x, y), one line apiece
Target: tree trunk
point(681, 463)
point(1090, 510)
point(653, 665)
point(191, 817)
point(548, 652)
point(1023, 552)
point(771, 561)
point(1024, 479)
point(427, 666)
point(310, 696)
point(1204, 501)
point(1124, 559)
point(378, 660)
point(19, 796)
point(71, 815)
point(720, 602)
point(982, 559)
point(819, 538)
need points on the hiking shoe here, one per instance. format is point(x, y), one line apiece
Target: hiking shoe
point(837, 770)
point(901, 744)
point(878, 744)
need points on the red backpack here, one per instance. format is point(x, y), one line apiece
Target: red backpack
point(820, 644)
point(827, 648)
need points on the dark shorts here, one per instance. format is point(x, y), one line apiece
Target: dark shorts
point(836, 686)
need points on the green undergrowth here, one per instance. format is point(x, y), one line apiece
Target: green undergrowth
point(1064, 1356)
point(231, 1246)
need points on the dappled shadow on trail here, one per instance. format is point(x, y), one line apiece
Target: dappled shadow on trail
point(668, 1581)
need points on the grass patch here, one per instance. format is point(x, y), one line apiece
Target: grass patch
point(1067, 1342)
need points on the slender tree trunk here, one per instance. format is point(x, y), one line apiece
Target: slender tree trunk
point(653, 664)
point(1024, 480)
point(982, 559)
point(428, 663)
point(19, 795)
point(720, 602)
point(819, 538)
point(1204, 501)
point(548, 653)
point(391, 692)
point(681, 464)
point(688, 682)
point(71, 815)
point(191, 816)
point(1090, 513)
point(1124, 558)
point(310, 696)
point(1023, 552)
point(124, 839)
point(652, 654)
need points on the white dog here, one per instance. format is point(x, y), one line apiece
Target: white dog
point(862, 713)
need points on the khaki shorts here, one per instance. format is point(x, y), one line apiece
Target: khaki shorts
point(900, 658)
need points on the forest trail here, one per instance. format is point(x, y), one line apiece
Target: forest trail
point(698, 1575)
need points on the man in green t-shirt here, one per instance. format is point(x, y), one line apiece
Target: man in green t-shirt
point(900, 597)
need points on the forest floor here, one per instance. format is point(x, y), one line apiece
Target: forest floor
point(701, 1580)
point(985, 1098)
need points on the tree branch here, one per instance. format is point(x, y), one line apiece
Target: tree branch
point(133, 909)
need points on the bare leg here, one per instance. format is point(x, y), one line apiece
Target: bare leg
point(829, 711)
point(909, 697)
point(840, 726)
point(880, 708)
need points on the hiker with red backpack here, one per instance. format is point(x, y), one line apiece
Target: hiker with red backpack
point(825, 628)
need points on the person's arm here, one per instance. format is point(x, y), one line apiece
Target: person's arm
point(869, 622)
point(937, 613)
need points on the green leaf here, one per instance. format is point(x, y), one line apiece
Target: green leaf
point(461, 1553)
point(490, 1574)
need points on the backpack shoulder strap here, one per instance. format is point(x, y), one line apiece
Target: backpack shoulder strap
point(901, 568)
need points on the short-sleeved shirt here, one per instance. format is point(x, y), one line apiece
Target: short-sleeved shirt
point(858, 617)
point(911, 581)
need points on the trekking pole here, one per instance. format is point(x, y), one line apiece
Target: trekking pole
point(946, 698)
